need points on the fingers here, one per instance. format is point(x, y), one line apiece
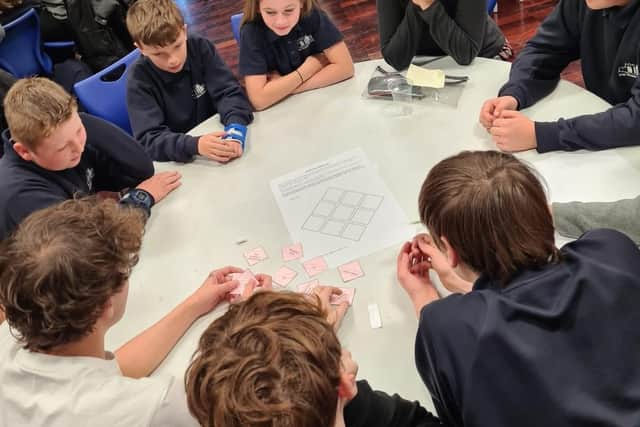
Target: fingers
point(220, 274)
point(249, 288)
point(265, 281)
point(217, 134)
point(486, 113)
point(340, 312)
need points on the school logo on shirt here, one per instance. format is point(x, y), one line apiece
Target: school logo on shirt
point(304, 42)
point(89, 175)
point(198, 90)
point(629, 70)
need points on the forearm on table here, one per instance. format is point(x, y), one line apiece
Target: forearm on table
point(273, 90)
point(330, 74)
point(140, 356)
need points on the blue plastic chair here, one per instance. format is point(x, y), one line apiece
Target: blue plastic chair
point(491, 4)
point(235, 25)
point(108, 99)
point(20, 50)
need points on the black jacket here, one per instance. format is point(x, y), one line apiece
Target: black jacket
point(111, 161)
point(558, 346)
point(608, 44)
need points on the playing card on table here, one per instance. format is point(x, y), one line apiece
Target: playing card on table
point(255, 255)
point(244, 278)
point(350, 271)
point(315, 266)
point(308, 287)
point(284, 276)
point(291, 252)
point(346, 295)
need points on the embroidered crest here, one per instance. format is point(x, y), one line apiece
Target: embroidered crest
point(629, 70)
point(304, 42)
point(198, 90)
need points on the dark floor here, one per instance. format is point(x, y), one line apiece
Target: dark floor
point(358, 22)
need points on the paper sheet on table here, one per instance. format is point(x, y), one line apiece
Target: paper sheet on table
point(418, 76)
point(340, 209)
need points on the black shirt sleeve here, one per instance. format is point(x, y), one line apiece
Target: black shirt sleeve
point(377, 409)
point(119, 161)
point(401, 30)
point(253, 58)
point(325, 34)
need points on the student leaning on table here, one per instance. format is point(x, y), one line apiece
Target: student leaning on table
point(532, 335)
point(53, 153)
point(461, 29)
point(177, 83)
point(65, 280)
point(287, 47)
point(604, 35)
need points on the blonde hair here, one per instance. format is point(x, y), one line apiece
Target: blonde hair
point(251, 9)
point(34, 107)
point(154, 22)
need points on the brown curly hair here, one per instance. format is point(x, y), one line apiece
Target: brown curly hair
point(62, 264)
point(272, 360)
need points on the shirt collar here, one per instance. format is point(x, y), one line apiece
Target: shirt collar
point(167, 77)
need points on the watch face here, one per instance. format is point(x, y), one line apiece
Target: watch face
point(140, 196)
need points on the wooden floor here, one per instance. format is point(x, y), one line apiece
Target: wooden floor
point(358, 22)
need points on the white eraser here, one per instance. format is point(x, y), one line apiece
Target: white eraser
point(374, 316)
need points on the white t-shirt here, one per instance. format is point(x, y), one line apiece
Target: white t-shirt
point(38, 389)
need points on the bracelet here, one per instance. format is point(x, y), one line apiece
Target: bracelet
point(300, 75)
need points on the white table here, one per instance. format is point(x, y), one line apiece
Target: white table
point(195, 229)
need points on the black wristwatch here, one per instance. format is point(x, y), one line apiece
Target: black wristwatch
point(138, 198)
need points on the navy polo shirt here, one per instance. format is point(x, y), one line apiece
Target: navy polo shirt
point(263, 51)
point(558, 346)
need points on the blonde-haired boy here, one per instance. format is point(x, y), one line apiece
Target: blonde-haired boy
point(179, 82)
point(54, 153)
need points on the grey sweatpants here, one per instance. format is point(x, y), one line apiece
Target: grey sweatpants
point(574, 218)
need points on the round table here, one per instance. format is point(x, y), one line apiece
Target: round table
point(195, 229)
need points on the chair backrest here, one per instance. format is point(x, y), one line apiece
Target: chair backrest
point(235, 25)
point(491, 5)
point(20, 50)
point(108, 99)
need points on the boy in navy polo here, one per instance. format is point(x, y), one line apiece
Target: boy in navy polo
point(287, 47)
point(52, 154)
point(179, 82)
point(605, 36)
point(532, 335)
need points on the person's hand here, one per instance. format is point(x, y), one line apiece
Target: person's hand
point(312, 65)
point(161, 184)
point(513, 131)
point(417, 285)
point(215, 148)
point(215, 289)
point(493, 108)
point(425, 256)
point(263, 282)
point(335, 314)
point(423, 4)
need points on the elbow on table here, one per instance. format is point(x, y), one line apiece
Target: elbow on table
point(260, 103)
point(465, 56)
point(393, 59)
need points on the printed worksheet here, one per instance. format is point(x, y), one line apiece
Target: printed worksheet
point(340, 209)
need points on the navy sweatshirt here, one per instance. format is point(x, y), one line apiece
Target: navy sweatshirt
point(556, 347)
point(608, 43)
point(164, 106)
point(111, 161)
point(377, 409)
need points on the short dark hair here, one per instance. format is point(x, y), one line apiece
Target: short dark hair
point(272, 360)
point(62, 264)
point(493, 210)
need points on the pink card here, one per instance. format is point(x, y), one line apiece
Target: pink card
point(315, 266)
point(255, 255)
point(291, 252)
point(346, 295)
point(284, 276)
point(244, 278)
point(308, 287)
point(350, 271)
